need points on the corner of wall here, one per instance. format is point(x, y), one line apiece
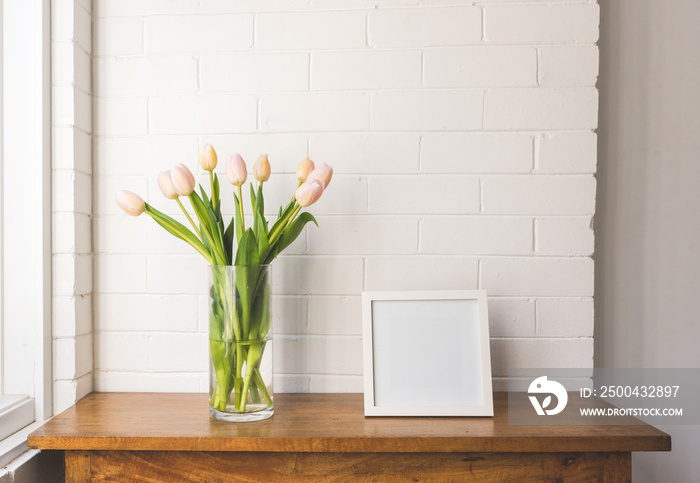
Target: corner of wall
point(71, 174)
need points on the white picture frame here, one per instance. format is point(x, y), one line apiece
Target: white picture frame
point(426, 353)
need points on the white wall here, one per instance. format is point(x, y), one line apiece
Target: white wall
point(461, 134)
point(648, 222)
point(71, 193)
point(71, 233)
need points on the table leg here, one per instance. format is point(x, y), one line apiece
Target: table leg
point(618, 467)
point(77, 466)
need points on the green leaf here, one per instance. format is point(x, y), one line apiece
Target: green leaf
point(205, 198)
point(208, 219)
point(215, 198)
point(208, 203)
point(205, 239)
point(290, 234)
point(228, 240)
point(200, 207)
point(260, 223)
point(252, 197)
point(261, 234)
point(216, 321)
point(283, 218)
point(293, 231)
point(260, 305)
point(218, 234)
point(224, 243)
point(264, 304)
point(247, 253)
point(179, 230)
point(260, 202)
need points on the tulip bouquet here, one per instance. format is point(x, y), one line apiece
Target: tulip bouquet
point(239, 315)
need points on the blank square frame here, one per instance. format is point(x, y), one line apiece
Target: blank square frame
point(426, 353)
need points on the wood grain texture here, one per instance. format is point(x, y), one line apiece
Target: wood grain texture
point(158, 466)
point(618, 467)
point(78, 466)
point(315, 423)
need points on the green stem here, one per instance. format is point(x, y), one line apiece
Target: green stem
point(294, 196)
point(283, 226)
point(254, 356)
point(225, 331)
point(294, 215)
point(291, 218)
point(240, 206)
point(238, 378)
point(254, 394)
point(247, 322)
point(196, 230)
point(257, 377)
point(211, 183)
point(222, 369)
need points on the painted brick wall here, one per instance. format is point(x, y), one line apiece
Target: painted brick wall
point(461, 133)
point(71, 201)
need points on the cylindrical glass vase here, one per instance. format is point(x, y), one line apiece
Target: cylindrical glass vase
point(240, 343)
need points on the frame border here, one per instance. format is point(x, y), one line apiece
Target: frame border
point(368, 353)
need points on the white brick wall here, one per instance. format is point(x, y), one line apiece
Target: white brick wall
point(72, 283)
point(461, 133)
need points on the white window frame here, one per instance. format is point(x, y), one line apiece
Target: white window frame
point(25, 222)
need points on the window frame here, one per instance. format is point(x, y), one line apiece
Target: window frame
point(25, 233)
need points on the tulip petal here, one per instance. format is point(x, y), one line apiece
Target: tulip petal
point(131, 203)
point(183, 180)
point(166, 185)
point(236, 170)
point(207, 157)
point(261, 168)
point(309, 192)
point(304, 169)
point(323, 173)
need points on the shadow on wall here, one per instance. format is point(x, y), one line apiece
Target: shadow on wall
point(648, 217)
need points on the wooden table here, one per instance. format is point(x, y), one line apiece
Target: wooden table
point(326, 437)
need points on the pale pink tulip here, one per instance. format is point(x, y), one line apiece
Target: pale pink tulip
point(303, 170)
point(166, 185)
point(183, 180)
point(130, 202)
point(308, 193)
point(207, 157)
point(261, 168)
point(236, 170)
point(323, 173)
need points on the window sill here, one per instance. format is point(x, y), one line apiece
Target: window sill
point(16, 412)
point(16, 444)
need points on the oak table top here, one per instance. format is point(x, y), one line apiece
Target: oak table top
point(315, 423)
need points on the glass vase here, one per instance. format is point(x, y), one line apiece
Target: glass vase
point(240, 343)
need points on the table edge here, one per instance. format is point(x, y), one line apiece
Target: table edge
point(481, 444)
point(654, 440)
